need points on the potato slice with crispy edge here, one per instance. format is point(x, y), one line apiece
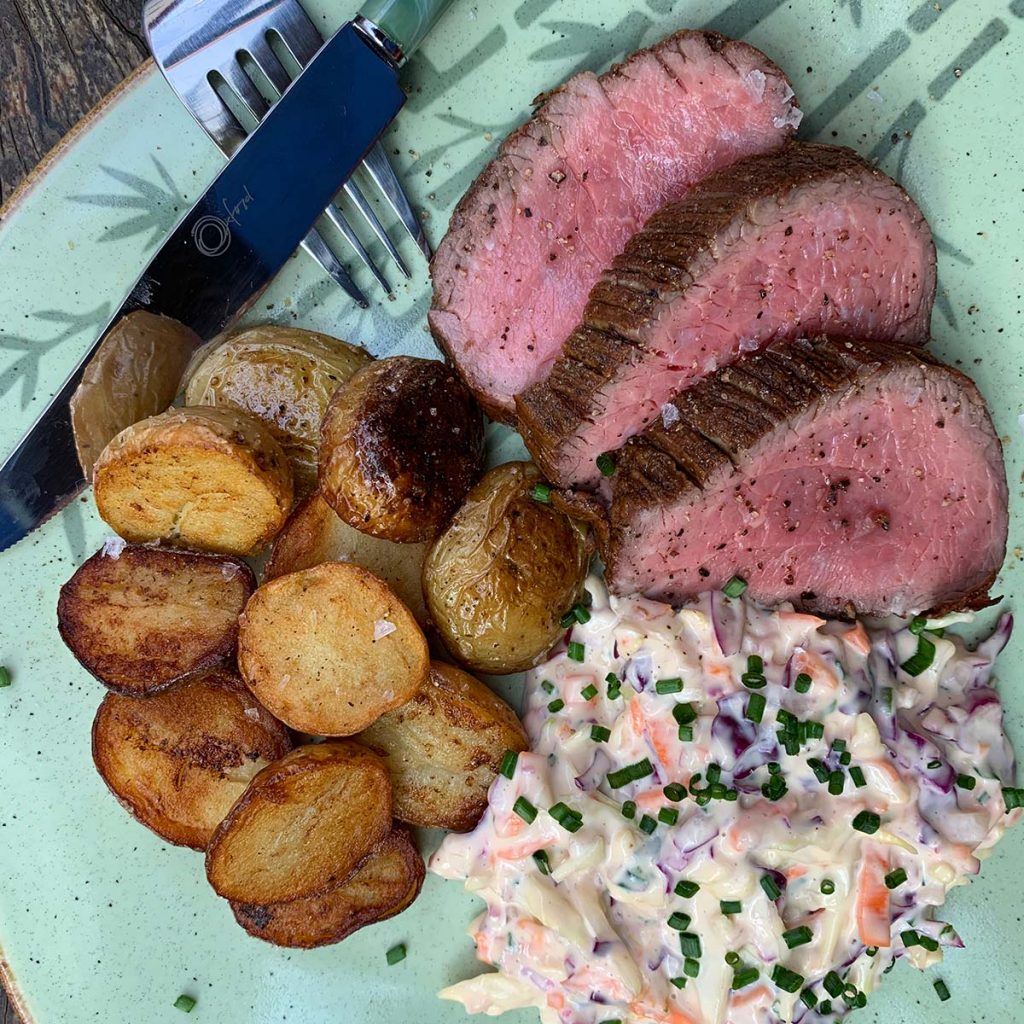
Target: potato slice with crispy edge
point(383, 885)
point(315, 534)
point(140, 619)
point(330, 649)
point(443, 748)
point(203, 478)
point(178, 761)
point(303, 825)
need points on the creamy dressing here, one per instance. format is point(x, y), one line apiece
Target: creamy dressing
point(773, 865)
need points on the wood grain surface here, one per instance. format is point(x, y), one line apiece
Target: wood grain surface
point(58, 59)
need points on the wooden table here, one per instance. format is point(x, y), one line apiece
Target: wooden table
point(58, 59)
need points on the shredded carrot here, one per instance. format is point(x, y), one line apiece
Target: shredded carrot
point(663, 737)
point(519, 850)
point(645, 1011)
point(857, 638)
point(556, 1000)
point(873, 920)
point(752, 995)
point(814, 666)
point(511, 826)
point(649, 799)
point(721, 671)
point(801, 619)
point(796, 871)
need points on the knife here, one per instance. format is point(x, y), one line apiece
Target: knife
point(229, 246)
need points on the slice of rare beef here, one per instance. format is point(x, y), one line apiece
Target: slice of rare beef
point(808, 239)
point(602, 153)
point(842, 475)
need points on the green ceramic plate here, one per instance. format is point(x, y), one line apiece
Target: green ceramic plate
point(100, 920)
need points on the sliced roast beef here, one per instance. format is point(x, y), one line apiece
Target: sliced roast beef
point(837, 474)
point(568, 189)
point(808, 239)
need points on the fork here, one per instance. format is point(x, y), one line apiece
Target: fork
point(199, 45)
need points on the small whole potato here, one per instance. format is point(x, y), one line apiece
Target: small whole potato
point(503, 573)
point(283, 376)
point(401, 444)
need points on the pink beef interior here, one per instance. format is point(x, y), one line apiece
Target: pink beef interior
point(894, 501)
point(831, 258)
point(575, 184)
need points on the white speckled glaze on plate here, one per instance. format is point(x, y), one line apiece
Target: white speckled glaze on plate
point(102, 921)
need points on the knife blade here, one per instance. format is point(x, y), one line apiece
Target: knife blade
point(232, 242)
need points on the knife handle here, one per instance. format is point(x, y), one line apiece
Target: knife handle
point(404, 22)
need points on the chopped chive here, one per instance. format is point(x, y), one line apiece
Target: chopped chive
point(774, 768)
point(567, 619)
point(770, 886)
point(647, 824)
point(833, 985)
point(686, 734)
point(605, 464)
point(547, 686)
point(668, 685)
point(941, 989)
point(600, 734)
point(921, 659)
point(788, 981)
point(797, 936)
point(674, 791)
point(867, 822)
point(966, 781)
point(556, 705)
point(732, 958)
point(186, 1003)
point(850, 993)
point(679, 921)
point(730, 907)
point(934, 763)
point(589, 692)
point(691, 967)
point(1013, 798)
point(839, 746)
point(717, 790)
point(755, 707)
point(686, 889)
point(714, 772)
point(895, 878)
point(808, 998)
point(887, 696)
point(541, 493)
point(678, 982)
point(814, 730)
point(828, 886)
point(689, 944)
point(569, 819)
point(836, 782)
point(755, 664)
point(775, 788)
point(668, 815)
point(508, 763)
point(684, 714)
point(871, 951)
point(857, 776)
point(628, 809)
point(581, 614)
point(631, 773)
point(802, 683)
point(927, 942)
point(846, 758)
point(735, 587)
point(786, 717)
point(743, 978)
point(525, 810)
point(910, 938)
point(540, 858)
point(5, 676)
point(753, 681)
point(825, 1007)
point(395, 954)
point(917, 624)
point(576, 651)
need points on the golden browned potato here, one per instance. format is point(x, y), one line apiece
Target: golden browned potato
point(401, 444)
point(444, 747)
point(303, 825)
point(386, 882)
point(285, 377)
point(210, 479)
point(315, 534)
point(500, 577)
point(330, 649)
point(140, 619)
point(180, 759)
point(135, 373)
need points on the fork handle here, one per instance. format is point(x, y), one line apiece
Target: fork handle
point(404, 22)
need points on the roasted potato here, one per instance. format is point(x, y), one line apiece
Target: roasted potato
point(330, 649)
point(135, 373)
point(443, 748)
point(401, 444)
point(140, 619)
point(303, 825)
point(179, 760)
point(386, 882)
point(315, 534)
point(285, 377)
point(499, 578)
point(210, 479)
